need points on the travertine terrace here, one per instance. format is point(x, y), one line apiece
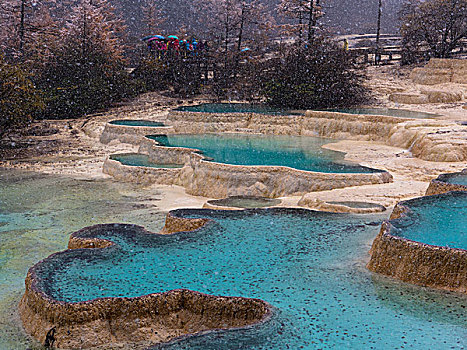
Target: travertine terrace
point(219, 180)
point(149, 319)
point(433, 140)
point(442, 184)
point(130, 134)
point(417, 262)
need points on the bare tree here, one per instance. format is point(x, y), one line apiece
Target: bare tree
point(86, 70)
point(93, 26)
point(306, 13)
point(234, 27)
point(433, 27)
point(153, 16)
point(378, 33)
point(27, 28)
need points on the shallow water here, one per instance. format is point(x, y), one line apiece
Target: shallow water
point(298, 152)
point(458, 179)
point(246, 202)
point(308, 265)
point(358, 205)
point(437, 220)
point(37, 215)
point(236, 108)
point(138, 159)
point(391, 112)
point(137, 122)
point(264, 109)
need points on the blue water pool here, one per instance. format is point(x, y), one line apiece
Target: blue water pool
point(457, 179)
point(391, 112)
point(138, 159)
point(38, 213)
point(310, 266)
point(439, 220)
point(136, 122)
point(264, 109)
point(236, 108)
point(246, 202)
point(299, 152)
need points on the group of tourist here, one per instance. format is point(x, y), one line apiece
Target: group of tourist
point(172, 45)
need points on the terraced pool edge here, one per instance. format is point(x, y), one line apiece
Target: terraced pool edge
point(220, 180)
point(417, 262)
point(153, 318)
point(440, 185)
point(130, 134)
point(418, 135)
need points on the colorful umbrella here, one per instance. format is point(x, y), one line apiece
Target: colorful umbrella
point(152, 37)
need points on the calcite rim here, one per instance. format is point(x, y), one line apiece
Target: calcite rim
point(442, 185)
point(204, 158)
point(89, 310)
point(163, 124)
point(417, 262)
point(298, 112)
point(401, 209)
point(443, 178)
point(112, 156)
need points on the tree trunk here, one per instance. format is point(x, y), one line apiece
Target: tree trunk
point(300, 22)
point(314, 23)
point(310, 20)
point(21, 28)
point(239, 42)
point(378, 33)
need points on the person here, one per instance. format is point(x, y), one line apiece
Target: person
point(183, 48)
point(200, 46)
point(346, 44)
point(161, 48)
point(173, 46)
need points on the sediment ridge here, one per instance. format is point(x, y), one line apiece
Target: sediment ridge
point(219, 180)
point(152, 318)
point(416, 262)
point(440, 184)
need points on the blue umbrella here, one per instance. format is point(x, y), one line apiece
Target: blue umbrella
point(172, 37)
point(152, 37)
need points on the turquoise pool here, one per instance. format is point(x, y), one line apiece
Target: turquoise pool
point(245, 202)
point(310, 266)
point(236, 108)
point(37, 215)
point(457, 179)
point(439, 220)
point(264, 109)
point(137, 122)
point(391, 112)
point(298, 152)
point(138, 159)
